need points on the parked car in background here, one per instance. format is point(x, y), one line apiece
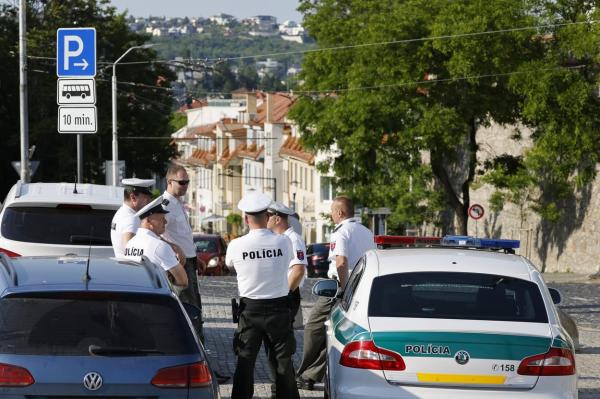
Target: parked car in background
point(210, 252)
point(75, 327)
point(52, 219)
point(317, 257)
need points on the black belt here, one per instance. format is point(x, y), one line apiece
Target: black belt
point(271, 301)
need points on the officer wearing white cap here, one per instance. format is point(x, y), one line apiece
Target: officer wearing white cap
point(124, 224)
point(148, 243)
point(261, 259)
point(280, 222)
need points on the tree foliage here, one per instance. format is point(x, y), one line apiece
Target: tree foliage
point(142, 110)
point(387, 107)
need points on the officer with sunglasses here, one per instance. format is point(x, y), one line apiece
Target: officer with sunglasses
point(179, 232)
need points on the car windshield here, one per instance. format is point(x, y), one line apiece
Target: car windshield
point(206, 246)
point(60, 225)
point(446, 295)
point(80, 323)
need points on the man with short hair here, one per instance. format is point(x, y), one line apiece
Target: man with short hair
point(136, 195)
point(179, 232)
point(349, 242)
point(147, 242)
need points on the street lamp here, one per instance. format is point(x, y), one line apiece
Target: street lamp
point(115, 148)
point(294, 184)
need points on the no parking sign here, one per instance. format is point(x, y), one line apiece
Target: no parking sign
point(476, 211)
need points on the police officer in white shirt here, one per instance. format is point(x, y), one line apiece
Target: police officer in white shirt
point(349, 242)
point(279, 222)
point(147, 242)
point(136, 195)
point(261, 259)
point(179, 232)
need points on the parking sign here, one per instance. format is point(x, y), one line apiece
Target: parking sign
point(76, 52)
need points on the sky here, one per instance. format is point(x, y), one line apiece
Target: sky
point(282, 9)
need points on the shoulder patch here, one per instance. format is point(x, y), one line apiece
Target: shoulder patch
point(300, 255)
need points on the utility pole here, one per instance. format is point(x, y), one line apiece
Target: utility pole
point(24, 115)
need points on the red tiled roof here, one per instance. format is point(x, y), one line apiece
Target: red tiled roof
point(202, 130)
point(250, 151)
point(292, 148)
point(281, 106)
point(202, 157)
point(227, 155)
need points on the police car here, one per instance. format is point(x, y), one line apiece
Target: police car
point(464, 319)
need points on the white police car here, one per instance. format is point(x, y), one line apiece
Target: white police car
point(448, 321)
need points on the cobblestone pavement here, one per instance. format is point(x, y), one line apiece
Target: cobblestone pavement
point(581, 299)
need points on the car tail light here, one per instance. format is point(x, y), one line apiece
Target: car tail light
point(14, 376)
point(557, 361)
point(185, 376)
point(365, 355)
point(9, 253)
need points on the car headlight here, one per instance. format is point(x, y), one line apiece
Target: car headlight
point(214, 262)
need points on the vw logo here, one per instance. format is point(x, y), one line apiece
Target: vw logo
point(92, 381)
point(462, 357)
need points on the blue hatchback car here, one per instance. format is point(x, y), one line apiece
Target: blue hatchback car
point(73, 327)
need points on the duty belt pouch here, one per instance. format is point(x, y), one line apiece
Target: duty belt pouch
point(235, 310)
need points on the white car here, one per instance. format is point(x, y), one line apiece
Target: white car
point(453, 321)
point(53, 219)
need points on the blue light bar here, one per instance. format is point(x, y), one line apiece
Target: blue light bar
point(474, 242)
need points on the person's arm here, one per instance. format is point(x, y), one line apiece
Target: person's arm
point(179, 276)
point(229, 257)
point(126, 237)
point(295, 276)
point(341, 264)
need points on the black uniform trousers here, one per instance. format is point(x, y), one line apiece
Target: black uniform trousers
point(191, 294)
point(265, 320)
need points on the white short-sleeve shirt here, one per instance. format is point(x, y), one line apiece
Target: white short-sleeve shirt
point(261, 260)
point(298, 252)
point(178, 229)
point(123, 222)
point(350, 239)
point(150, 245)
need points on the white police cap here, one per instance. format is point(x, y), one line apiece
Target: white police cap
point(139, 185)
point(254, 202)
point(278, 207)
point(155, 206)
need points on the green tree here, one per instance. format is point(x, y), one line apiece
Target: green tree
point(144, 98)
point(386, 106)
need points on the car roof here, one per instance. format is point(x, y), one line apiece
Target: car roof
point(66, 273)
point(452, 260)
point(40, 194)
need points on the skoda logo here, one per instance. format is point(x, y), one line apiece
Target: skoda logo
point(462, 357)
point(92, 381)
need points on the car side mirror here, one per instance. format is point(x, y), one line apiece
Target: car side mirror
point(326, 288)
point(192, 311)
point(555, 294)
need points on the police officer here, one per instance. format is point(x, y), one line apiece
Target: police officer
point(136, 194)
point(280, 222)
point(261, 260)
point(349, 242)
point(147, 242)
point(179, 232)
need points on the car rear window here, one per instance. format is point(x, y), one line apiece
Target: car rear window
point(68, 323)
point(446, 295)
point(59, 225)
point(205, 245)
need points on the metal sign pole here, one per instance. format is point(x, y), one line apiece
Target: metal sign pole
point(79, 158)
point(24, 116)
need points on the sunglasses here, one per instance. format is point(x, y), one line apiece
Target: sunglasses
point(182, 182)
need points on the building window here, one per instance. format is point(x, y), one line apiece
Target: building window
point(312, 179)
point(326, 189)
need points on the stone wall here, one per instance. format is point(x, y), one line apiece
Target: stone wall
point(571, 245)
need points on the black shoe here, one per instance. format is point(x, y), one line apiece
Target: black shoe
point(305, 383)
point(222, 379)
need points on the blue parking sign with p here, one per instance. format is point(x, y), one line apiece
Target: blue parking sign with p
point(76, 52)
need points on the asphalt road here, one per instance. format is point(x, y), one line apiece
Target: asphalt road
point(581, 299)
